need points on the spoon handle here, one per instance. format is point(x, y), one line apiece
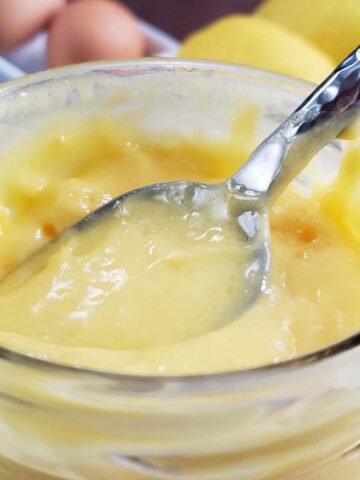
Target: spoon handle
point(316, 122)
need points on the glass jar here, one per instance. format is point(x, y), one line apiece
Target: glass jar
point(295, 420)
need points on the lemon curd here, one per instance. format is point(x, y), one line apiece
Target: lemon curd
point(93, 306)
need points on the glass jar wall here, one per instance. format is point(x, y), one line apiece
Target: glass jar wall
point(293, 420)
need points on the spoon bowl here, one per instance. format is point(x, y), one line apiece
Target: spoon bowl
point(235, 215)
point(242, 210)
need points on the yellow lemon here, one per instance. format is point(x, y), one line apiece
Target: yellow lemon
point(258, 42)
point(342, 201)
point(332, 25)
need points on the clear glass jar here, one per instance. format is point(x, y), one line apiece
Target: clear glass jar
point(296, 420)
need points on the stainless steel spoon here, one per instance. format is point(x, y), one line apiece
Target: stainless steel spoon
point(245, 199)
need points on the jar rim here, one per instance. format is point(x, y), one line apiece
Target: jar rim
point(188, 382)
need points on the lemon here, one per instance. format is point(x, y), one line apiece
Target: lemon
point(332, 25)
point(342, 201)
point(352, 132)
point(258, 42)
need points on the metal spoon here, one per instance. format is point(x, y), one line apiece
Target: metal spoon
point(244, 199)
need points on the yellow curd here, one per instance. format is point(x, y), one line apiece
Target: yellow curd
point(128, 318)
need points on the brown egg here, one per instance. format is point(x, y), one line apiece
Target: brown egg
point(19, 19)
point(88, 30)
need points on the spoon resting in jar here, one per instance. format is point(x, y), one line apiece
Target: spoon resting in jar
point(191, 256)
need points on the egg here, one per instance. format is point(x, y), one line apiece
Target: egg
point(19, 19)
point(87, 30)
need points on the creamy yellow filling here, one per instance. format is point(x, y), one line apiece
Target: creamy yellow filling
point(113, 323)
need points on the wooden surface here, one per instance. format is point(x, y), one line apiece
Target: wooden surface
point(180, 17)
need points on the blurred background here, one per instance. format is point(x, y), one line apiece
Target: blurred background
point(181, 17)
point(303, 38)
